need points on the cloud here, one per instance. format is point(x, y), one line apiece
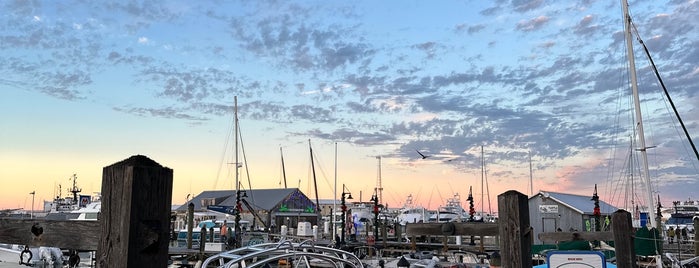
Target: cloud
point(526, 5)
point(165, 112)
point(532, 24)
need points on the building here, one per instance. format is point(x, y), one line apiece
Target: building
point(265, 208)
point(551, 212)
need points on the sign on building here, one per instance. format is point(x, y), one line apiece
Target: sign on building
point(548, 208)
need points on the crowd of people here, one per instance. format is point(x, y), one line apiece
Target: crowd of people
point(681, 234)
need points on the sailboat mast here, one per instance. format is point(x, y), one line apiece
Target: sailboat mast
point(637, 104)
point(379, 186)
point(334, 197)
point(531, 176)
point(482, 177)
point(315, 184)
point(283, 169)
point(237, 183)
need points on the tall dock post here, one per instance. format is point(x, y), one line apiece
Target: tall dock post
point(135, 220)
point(514, 230)
point(623, 232)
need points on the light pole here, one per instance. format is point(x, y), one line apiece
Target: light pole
point(375, 199)
point(238, 208)
point(344, 210)
point(31, 213)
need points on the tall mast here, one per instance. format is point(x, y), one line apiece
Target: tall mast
point(315, 184)
point(236, 229)
point(531, 176)
point(334, 198)
point(637, 104)
point(482, 177)
point(283, 169)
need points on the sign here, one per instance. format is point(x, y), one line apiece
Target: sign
point(84, 200)
point(548, 208)
point(370, 240)
point(566, 259)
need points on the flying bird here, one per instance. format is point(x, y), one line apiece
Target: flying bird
point(422, 155)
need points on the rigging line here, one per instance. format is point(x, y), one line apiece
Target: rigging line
point(667, 94)
point(223, 154)
point(320, 162)
point(245, 161)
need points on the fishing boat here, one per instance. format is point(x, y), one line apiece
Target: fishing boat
point(450, 212)
point(410, 213)
point(66, 208)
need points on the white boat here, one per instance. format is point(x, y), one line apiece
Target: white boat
point(683, 216)
point(64, 208)
point(451, 211)
point(410, 213)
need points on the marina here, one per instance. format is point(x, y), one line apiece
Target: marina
point(133, 222)
point(448, 243)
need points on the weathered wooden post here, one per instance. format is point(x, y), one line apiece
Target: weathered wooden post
point(202, 240)
point(190, 224)
point(514, 230)
point(136, 203)
point(623, 232)
point(211, 237)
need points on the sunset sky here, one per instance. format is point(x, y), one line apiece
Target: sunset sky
point(85, 84)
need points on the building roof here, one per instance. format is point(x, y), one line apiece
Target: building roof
point(259, 199)
point(581, 203)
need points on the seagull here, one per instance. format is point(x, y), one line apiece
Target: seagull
point(423, 156)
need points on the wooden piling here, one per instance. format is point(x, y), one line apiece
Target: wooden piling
point(190, 224)
point(514, 230)
point(623, 232)
point(135, 217)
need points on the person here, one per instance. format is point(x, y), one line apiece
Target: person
point(224, 232)
point(671, 234)
point(684, 234)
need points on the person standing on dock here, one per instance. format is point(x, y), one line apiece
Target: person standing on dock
point(684, 235)
point(671, 234)
point(224, 232)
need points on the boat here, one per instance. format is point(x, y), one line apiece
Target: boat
point(683, 216)
point(64, 208)
point(207, 224)
point(450, 212)
point(410, 213)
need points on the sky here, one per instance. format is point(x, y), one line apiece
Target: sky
point(501, 95)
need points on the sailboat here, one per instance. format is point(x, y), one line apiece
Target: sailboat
point(638, 116)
